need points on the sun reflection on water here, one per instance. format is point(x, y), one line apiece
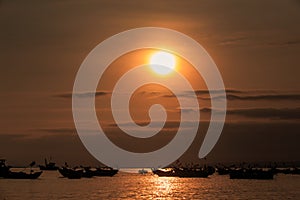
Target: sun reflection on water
point(163, 186)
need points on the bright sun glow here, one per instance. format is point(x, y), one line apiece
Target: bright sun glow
point(162, 62)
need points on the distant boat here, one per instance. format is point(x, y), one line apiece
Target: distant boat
point(105, 171)
point(245, 173)
point(48, 166)
point(166, 172)
point(193, 173)
point(4, 169)
point(70, 173)
point(6, 173)
point(183, 172)
point(293, 170)
point(22, 175)
point(223, 170)
point(143, 171)
point(86, 172)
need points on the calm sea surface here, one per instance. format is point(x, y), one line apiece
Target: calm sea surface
point(136, 186)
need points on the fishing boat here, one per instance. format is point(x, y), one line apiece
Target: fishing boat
point(193, 173)
point(165, 172)
point(22, 175)
point(48, 166)
point(4, 169)
point(183, 172)
point(223, 170)
point(142, 171)
point(250, 173)
point(293, 170)
point(86, 172)
point(105, 171)
point(71, 173)
point(5, 172)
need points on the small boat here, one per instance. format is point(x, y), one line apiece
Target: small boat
point(22, 175)
point(4, 169)
point(245, 173)
point(105, 171)
point(71, 173)
point(86, 172)
point(183, 172)
point(223, 170)
point(293, 170)
point(165, 172)
point(193, 173)
point(5, 172)
point(143, 171)
point(48, 166)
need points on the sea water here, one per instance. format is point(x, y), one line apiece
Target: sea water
point(51, 185)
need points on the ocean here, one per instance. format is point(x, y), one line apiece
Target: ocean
point(50, 185)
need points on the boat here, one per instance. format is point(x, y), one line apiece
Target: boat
point(223, 170)
point(245, 173)
point(48, 166)
point(86, 172)
point(193, 173)
point(165, 172)
point(105, 171)
point(22, 175)
point(293, 170)
point(5, 172)
point(4, 169)
point(142, 171)
point(183, 172)
point(70, 173)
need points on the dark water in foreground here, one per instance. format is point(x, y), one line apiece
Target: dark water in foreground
point(136, 186)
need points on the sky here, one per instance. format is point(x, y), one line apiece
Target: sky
point(255, 44)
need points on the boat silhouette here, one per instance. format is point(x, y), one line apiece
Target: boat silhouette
point(86, 172)
point(4, 169)
point(5, 172)
point(142, 171)
point(249, 173)
point(48, 165)
point(22, 175)
point(183, 172)
point(71, 173)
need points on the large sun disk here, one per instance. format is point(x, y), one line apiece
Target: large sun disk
point(162, 62)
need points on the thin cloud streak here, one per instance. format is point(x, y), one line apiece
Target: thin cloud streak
point(269, 113)
point(253, 95)
point(83, 95)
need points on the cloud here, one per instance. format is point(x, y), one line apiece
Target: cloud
point(203, 92)
point(251, 95)
point(271, 113)
point(231, 94)
point(263, 113)
point(264, 97)
point(269, 97)
point(170, 125)
point(233, 41)
point(83, 95)
point(232, 91)
point(234, 94)
point(285, 43)
point(57, 130)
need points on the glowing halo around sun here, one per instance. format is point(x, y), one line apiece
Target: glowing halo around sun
point(93, 68)
point(162, 62)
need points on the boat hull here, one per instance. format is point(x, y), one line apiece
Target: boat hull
point(251, 174)
point(22, 175)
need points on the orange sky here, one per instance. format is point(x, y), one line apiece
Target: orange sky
point(255, 44)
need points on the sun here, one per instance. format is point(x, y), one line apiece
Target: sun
point(162, 62)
